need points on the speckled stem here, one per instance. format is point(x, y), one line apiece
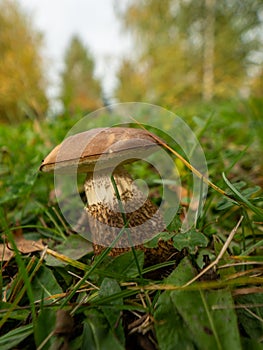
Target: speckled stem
point(105, 216)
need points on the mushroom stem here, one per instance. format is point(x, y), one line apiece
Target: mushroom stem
point(107, 216)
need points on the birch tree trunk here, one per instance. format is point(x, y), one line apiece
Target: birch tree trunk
point(208, 50)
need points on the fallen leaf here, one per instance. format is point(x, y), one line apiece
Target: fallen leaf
point(5, 253)
point(24, 246)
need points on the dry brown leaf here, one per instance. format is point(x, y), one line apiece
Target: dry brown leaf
point(5, 253)
point(25, 246)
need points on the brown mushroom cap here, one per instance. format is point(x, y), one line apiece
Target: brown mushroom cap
point(108, 145)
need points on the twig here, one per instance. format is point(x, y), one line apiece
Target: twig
point(222, 252)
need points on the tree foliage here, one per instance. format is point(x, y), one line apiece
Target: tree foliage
point(22, 89)
point(80, 90)
point(188, 49)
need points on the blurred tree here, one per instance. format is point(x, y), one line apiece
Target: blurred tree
point(189, 49)
point(80, 91)
point(256, 83)
point(132, 83)
point(22, 89)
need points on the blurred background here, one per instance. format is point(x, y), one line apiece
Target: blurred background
point(75, 57)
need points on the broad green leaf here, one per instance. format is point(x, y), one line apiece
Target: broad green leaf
point(112, 314)
point(11, 339)
point(97, 334)
point(74, 247)
point(211, 329)
point(17, 314)
point(109, 287)
point(123, 265)
point(251, 316)
point(191, 240)
point(201, 254)
point(171, 330)
point(174, 224)
point(44, 326)
point(154, 241)
point(206, 327)
point(45, 285)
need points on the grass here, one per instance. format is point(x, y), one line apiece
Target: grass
point(212, 298)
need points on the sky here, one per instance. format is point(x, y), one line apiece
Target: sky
point(94, 21)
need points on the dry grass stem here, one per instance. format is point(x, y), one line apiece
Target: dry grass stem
point(220, 255)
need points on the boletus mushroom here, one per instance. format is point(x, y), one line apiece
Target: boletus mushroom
point(115, 205)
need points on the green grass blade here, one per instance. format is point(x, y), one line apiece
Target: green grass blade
point(241, 198)
point(22, 270)
point(96, 263)
point(11, 339)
